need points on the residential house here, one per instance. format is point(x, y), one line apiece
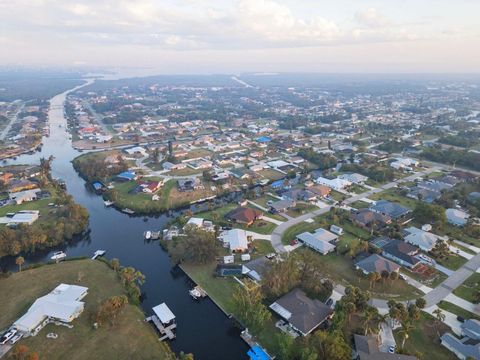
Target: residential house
point(236, 240)
point(201, 223)
point(335, 184)
point(62, 304)
point(368, 219)
point(376, 263)
point(24, 217)
point(401, 252)
point(390, 209)
point(189, 184)
point(322, 241)
point(354, 178)
point(299, 194)
point(302, 313)
point(17, 185)
point(126, 176)
point(457, 217)
point(282, 205)
point(244, 215)
point(367, 348)
point(423, 239)
point(320, 190)
point(469, 346)
point(171, 166)
point(24, 196)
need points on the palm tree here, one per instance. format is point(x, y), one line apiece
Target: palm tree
point(373, 277)
point(369, 314)
point(350, 308)
point(19, 261)
point(407, 327)
point(439, 317)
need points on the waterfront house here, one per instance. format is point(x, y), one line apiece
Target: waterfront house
point(61, 304)
point(24, 196)
point(189, 184)
point(235, 239)
point(302, 313)
point(126, 176)
point(244, 215)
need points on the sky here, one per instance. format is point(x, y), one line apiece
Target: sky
point(235, 36)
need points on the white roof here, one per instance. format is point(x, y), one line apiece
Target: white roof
point(164, 313)
point(277, 163)
point(236, 238)
point(195, 221)
point(62, 304)
point(423, 239)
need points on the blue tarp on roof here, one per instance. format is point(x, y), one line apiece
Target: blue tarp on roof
point(127, 175)
point(264, 139)
point(257, 353)
point(277, 184)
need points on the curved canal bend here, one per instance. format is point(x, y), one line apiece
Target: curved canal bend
point(203, 329)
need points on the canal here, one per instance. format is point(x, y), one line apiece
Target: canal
point(203, 329)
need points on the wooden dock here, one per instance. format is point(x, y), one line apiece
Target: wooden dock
point(165, 332)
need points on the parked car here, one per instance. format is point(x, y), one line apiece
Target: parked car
point(461, 319)
point(7, 336)
point(329, 302)
point(14, 339)
point(391, 349)
point(401, 276)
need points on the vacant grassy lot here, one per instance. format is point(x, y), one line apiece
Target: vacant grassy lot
point(452, 261)
point(301, 208)
point(197, 153)
point(424, 339)
point(184, 172)
point(469, 289)
point(271, 174)
point(130, 338)
point(360, 204)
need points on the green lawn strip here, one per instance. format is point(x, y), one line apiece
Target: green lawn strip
point(357, 189)
point(184, 172)
point(454, 309)
point(469, 288)
point(262, 247)
point(338, 196)
point(463, 248)
point(359, 204)
point(424, 339)
point(457, 233)
point(130, 338)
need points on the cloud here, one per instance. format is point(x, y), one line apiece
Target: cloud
point(371, 18)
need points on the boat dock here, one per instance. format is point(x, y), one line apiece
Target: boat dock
point(165, 332)
point(164, 321)
point(98, 253)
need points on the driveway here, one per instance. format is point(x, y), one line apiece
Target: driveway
point(450, 319)
point(386, 336)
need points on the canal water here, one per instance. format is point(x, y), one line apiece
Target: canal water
point(203, 329)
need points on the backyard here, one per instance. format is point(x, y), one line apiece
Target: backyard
point(130, 338)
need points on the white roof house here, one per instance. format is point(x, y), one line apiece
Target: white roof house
point(423, 239)
point(164, 314)
point(321, 240)
point(335, 184)
point(354, 178)
point(277, 164)
point(457, 217)
point(23, 196)
point(235, 239)
point(25, 217)
point(62, 304)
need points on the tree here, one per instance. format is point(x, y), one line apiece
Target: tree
point(407, 327)
point(384, 275)
point(394, 275)
point(156, 155)
point(19, 261)
point(132, 279)
point(183, 356)
point(110, 308)
point(368, 316)
point(350, 308)
point(115, 264)
point(427, 213)
point(249, 307)
point(198, 246)
point(421, 303)
point(439, 317)
point(373, 277)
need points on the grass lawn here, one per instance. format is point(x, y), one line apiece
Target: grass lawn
point(271, 174)
point(197, 153)
point(452, 261)
point(457, 233)
point(469, 288)
point(262, 247)
point(425, 340)
point(184, 172)
point(338, 196)
point(433, 281)
point(130, 338)
point(301, 208)
point(219, 289)
point(394, 195)
point(359, 204)
point(454, 309)
point(357, 189)
point(341, 269)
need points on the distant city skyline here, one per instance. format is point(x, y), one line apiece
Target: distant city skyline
point(199, 36)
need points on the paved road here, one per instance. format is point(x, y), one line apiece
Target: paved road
point(13, 120)
point(96, 116)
